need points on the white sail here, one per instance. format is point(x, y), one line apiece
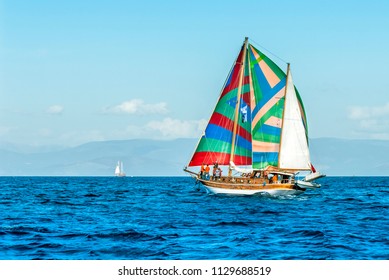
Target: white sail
point(117, 169)
point(294, 152)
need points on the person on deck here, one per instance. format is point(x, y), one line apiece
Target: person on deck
point(202, 171)
point(274, 179)
point(215, 168)
point(217, 173)
point(207, 168)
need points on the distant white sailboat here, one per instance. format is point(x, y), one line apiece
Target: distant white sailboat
point(119, 171)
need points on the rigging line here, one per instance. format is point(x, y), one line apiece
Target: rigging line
point(273, 54)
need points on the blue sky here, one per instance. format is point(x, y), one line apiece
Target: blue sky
point(77, 71)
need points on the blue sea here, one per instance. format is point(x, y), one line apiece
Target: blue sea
point(171, 218)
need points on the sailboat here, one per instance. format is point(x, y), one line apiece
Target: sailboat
point(258, 130)
point(119, 171)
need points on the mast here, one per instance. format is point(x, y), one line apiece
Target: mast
point(252, 105)
point(232, 154)
point(283, 112)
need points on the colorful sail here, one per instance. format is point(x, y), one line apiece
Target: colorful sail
point(268, 82)
point(255, 90)
point(216, 142)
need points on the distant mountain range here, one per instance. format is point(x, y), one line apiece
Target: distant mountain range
point(141, 157)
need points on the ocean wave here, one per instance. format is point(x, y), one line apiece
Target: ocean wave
point(122, 235)
point(92, 195)
point(137, 218)
point(309, 233)
point(233, 223)
point(23, 230)
point(72, 235)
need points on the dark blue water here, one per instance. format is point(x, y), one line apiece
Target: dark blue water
point(168, 218)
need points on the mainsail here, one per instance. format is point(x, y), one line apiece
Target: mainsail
point(259, 120)
point(216, 142)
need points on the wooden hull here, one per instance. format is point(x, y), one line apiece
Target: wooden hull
point(242, 186)
point(247, 185)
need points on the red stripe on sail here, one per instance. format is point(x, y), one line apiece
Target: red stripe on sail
point(210, 158)
point(234, 76)
point(234, 81)
point(240, 55)
point(246, 80)
point(246, 98)
point(200, 158)
point(242, 160)
point(222, 121)
point(244, 133)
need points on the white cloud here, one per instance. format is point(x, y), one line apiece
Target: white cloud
point(366, 112)
point(173, 128)
point(137, 106)
point(167, 128)
point(373, 121)
point(55, 110)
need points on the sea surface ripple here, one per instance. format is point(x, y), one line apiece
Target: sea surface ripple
point(170, 218)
